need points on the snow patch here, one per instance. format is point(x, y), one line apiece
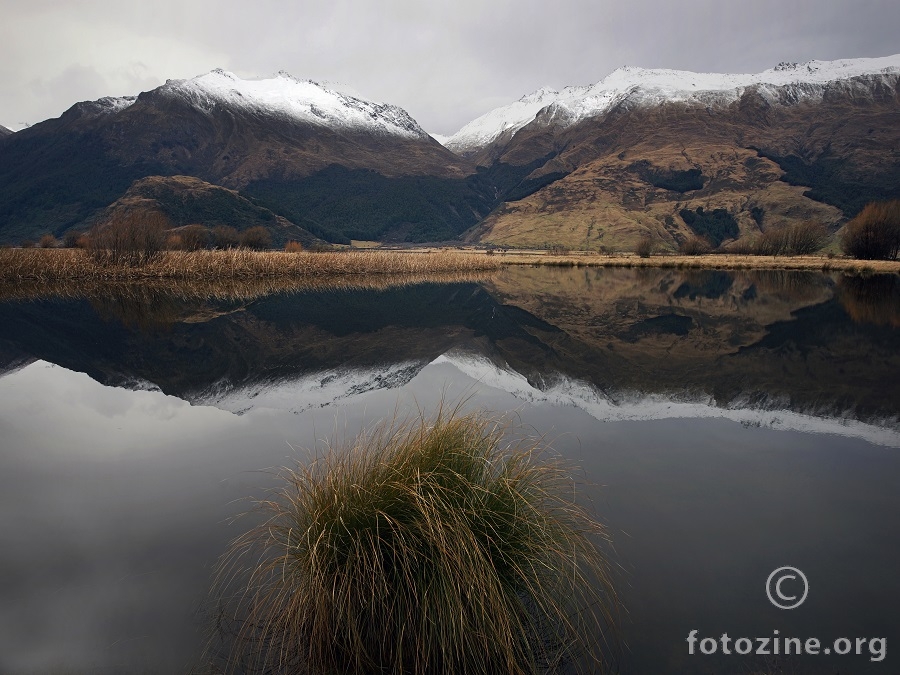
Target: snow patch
point(640, 86)
point(304, 100)
point(441, 138)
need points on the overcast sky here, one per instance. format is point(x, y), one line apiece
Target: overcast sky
point(444, 62)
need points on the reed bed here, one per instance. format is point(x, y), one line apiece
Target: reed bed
point(430, 546)
point(74, 264)
point(223, 289)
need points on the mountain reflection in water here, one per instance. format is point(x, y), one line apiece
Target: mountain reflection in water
point(626, 343)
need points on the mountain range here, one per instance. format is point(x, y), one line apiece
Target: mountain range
point(642, 152)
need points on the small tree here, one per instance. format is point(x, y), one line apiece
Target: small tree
point(645, 246)
point(257, 238)
point(695, 246)
point(293, 247)
point(224, 236)
point(173, 242)
point(806, 237)
point(794, 239)
point(75, 239)
point(128, 238)
point(875, 233)
point(194, 237)
point(48, 241)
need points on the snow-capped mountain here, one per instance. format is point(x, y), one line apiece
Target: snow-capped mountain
point(305, 149)
point(4, 131)
point(303, 100)
point(284, 96)
point(786, 83)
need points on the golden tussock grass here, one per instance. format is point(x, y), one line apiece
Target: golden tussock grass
point(49, 264)
point(433, 545)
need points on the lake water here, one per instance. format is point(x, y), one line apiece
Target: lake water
point(726, 424)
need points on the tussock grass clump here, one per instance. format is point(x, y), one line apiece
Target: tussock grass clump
point(426, 547)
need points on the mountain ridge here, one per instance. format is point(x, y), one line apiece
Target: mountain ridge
point(640, 153)
point(63, 172)
point(657, 85)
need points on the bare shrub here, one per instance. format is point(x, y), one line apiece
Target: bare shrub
point(806, 237)
point(75, 239)
point(48, 241)
point(875, 233)
point(793, 239)
point(645, 246)
point(742, 246)
point(194, 237)
point(770, 242)
point(695, 246)
point(129, 238)
point(257, 238)
point(173, 242)
point(293, 247)
point(224, 237)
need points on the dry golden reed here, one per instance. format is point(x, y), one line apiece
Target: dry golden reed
point(226, 289)
point(71, 264)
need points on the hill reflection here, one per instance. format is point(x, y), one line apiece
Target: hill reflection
point(826, 346)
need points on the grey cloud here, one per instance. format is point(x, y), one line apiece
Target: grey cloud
point(444, 62)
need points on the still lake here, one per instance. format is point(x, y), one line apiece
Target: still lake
point(725, 424)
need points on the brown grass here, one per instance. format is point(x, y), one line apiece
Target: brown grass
point(18, 265)
point(147, 291)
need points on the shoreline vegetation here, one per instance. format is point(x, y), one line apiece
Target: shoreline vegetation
point(338, 268)
point(43, 265)
point(148, 291)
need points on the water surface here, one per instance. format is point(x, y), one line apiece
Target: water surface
point(725, 423)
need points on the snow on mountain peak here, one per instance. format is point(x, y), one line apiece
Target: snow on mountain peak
point(544, 93)
point(288, 96)
point(654, 86)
